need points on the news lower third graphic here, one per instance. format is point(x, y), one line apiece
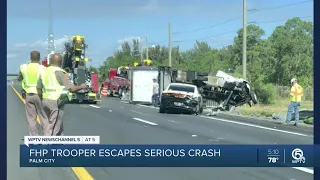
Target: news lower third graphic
point(61, 140)
point(297, 155)
point(86, 151)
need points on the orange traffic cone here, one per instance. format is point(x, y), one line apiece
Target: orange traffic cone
point(104, 92)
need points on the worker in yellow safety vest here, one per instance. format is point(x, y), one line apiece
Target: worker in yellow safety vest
point(296, 93)
point(29, 75)
point(147, 62)
point(54, 87)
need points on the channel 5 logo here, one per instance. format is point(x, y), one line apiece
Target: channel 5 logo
point(297, 155)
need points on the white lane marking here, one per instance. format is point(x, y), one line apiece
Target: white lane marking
point(256, 126)
point(306, 170)
point(94, 106)
point(144, 121)
point(139, 112)
point(246, 124)
point(125, 102)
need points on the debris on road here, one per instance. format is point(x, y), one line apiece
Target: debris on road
point(303, 114)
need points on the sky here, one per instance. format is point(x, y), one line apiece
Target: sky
point(108, 23)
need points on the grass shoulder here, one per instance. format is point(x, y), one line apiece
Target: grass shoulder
point(280, 107)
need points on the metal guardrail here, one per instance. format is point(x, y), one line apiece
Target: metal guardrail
point(12, 74)
point(12, 79)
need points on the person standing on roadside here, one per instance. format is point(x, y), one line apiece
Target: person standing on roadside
point(29, 75)
point(155, 93)
point(54, 87)
point(296, 93)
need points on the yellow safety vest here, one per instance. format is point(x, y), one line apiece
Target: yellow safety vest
point(51, 87)
point(296, 93)
point(31, 73)
point(147, 61)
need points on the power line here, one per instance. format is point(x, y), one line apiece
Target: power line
point(250, 12)
point(150, 43)
point(220, 34)
point(264, 22)
point(162, 42)
point(219, 45)
point(282, 6)
point(200, 29)
point(158, 43)
point(208, 37)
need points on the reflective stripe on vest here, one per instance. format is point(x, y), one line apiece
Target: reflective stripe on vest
point(296, 93)
point(51, 86)
point(31, 73)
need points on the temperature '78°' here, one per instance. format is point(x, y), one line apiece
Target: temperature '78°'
point(273, 159)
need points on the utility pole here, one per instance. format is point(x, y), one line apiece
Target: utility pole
point(141, 51)
point(244, 41)
point(169, 45)
point(51, 44)
point(147, 49)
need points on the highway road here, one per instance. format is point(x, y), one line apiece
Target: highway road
point(117, 122)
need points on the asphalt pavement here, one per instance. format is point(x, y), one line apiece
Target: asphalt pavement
point(17, 128)
point(117, 122)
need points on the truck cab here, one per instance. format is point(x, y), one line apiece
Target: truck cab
point(122, 71)
point(117, 81)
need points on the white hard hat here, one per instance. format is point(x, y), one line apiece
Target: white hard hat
point(293, 80)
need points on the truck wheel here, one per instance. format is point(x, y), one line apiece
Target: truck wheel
point(162, 109)
point(198, 109)
point(201, 110)
point(120, 92)
point(124, 92)
point(231, 108)
point(109, 93)
point(254, 97)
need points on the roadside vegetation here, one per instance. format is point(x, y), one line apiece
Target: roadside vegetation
point(271, 62)
point(280, 108)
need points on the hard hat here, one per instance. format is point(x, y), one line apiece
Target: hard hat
point(293, 80)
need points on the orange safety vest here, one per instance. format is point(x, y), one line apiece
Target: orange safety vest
point(296, 93)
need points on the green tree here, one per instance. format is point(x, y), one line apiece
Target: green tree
point(292, 45)
point(93, 69)
point(287, 53)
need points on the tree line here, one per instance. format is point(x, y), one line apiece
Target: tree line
point(286, 53)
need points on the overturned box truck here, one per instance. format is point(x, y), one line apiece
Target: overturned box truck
point(220, 92)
